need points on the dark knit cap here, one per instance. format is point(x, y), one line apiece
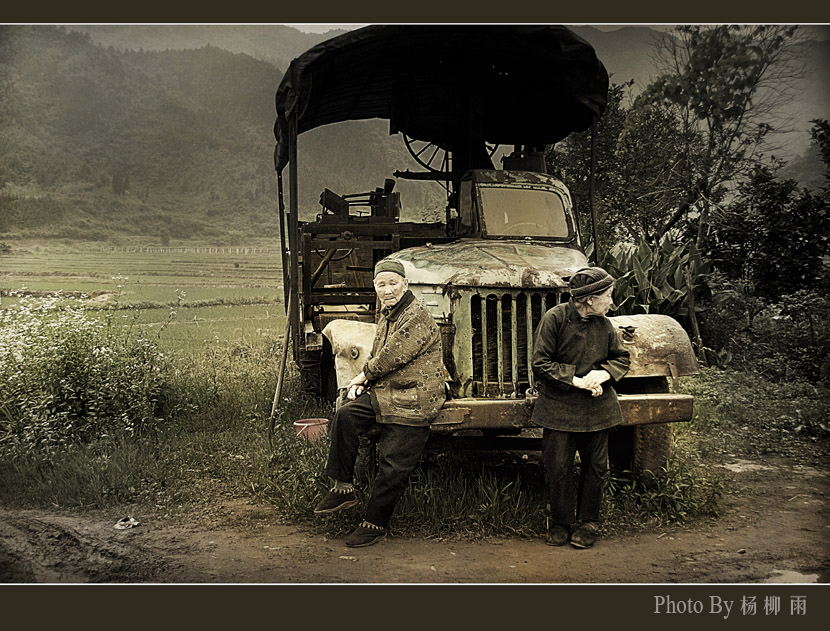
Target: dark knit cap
point(389, 265)
point(590, 281)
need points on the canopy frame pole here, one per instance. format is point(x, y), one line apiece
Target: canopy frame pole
point(293, 233)
point(284, 251)
point(592, 175)
point(281, 375)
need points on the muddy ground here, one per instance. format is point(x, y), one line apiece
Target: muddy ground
point(775, 527)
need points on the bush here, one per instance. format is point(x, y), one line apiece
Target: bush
point(785, 339)
point(67, 378)
point(652, 278)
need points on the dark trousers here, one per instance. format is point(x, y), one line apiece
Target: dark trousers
point(558, 451)
point(399, 449)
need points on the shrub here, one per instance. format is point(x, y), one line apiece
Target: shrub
point(765, 414)
point(652, 278)
point(67, 378)
point(784, 339)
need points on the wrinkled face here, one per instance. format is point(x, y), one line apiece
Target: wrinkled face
point(390, 286)
point(601, 303)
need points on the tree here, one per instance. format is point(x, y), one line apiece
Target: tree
point(120, 181)
point(683, 145)
point(821, 136)
point(570, 161)
point(724, 85)
point(651, 171)
point(639, 168)
point(775, 236)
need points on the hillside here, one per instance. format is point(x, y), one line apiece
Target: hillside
point(176, 144)
point(274, 43)
point(98, 142)
point(626, 53)
point(166, 132)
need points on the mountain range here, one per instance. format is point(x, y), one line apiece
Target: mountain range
point(165, 132)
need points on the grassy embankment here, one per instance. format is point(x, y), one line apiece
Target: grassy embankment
point(206, 330)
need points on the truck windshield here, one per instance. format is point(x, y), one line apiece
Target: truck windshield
point(524, 211)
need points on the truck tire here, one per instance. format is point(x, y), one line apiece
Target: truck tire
point(641, 450)
point(652, 448)
point(317, 372)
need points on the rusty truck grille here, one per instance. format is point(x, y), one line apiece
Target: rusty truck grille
point(502, 326)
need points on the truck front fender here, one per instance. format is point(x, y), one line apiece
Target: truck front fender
point(351, 344)
point(658, 345)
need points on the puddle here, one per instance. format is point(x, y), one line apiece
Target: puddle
point(788, 576)
point(741, 466)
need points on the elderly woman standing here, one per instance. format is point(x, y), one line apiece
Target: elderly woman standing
point(399, 392)
point(577, 355)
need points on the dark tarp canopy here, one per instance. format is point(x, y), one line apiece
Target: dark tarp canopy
point(450, 85)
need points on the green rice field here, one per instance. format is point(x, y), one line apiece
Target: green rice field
point(191, 298)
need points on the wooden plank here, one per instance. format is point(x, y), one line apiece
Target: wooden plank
point(347, 244)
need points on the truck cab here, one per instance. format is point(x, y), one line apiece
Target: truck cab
point(488, 289)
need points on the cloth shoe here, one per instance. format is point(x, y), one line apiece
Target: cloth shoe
point(336, 501)
point(365, 535)
point(557, 535)
point(586, 535)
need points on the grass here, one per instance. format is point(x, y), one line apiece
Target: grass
point(212, 444)
point(748, 414)
point(219, 297)
point(209, 441)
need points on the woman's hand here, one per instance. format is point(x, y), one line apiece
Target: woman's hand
point(596, 378)
point(594, 388)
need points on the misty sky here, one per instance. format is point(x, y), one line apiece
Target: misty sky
point(324, 28)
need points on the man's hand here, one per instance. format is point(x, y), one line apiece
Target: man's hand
point(356, 386)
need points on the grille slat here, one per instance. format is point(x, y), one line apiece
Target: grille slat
point(499, 345)
point(485, 346)
point(514, 346)
point(531, 327)
point(502, 339)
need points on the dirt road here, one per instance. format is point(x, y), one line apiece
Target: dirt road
point(775, 527)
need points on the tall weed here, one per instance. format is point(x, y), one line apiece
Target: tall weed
point(680, 493)
point(66, 378)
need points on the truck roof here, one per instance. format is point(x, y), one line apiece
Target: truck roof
point(531, 84)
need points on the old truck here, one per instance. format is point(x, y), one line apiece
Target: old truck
point(462, 98)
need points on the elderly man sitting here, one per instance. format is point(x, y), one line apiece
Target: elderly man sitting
point(399, 392)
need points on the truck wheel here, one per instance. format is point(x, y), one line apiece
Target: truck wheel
point(652, 448)
point(641, 450)
point(318, 374)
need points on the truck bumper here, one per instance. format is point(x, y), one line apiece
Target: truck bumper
point(514, 414)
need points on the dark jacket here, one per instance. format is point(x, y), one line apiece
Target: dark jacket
point(567, 345)
point(406, 368)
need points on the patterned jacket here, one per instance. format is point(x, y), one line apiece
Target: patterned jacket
point(406, 368)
